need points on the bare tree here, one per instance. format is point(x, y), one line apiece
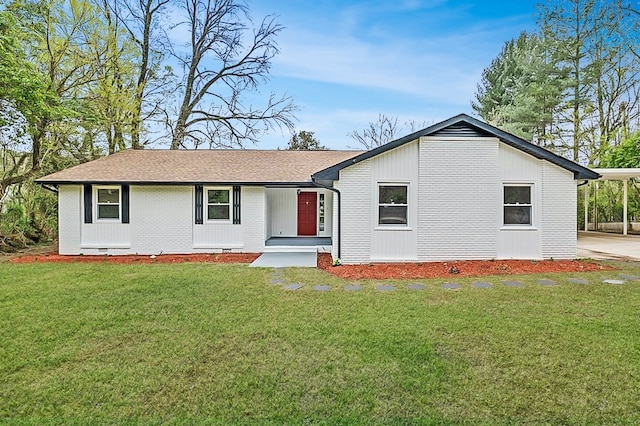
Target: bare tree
point(224, 65)
point(140, 18)
point(377, 133)
point(631, 10)
point(596, 48)
point(383, 131)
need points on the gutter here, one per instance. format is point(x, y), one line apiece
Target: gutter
point(267, 184)
point(330, 188)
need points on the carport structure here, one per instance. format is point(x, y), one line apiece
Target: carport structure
point(625, 175)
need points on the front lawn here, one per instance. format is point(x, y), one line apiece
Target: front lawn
point(206, 343)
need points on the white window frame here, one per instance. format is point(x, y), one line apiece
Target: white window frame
point(322, 215)
point(96, 204)
point(530, 205)
point(402, 226)
point(206, 203)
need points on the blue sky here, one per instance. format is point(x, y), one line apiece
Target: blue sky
point(344, 62)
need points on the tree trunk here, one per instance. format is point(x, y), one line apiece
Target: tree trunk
point(136, 125)
point(576, 90)
point(179, 132)
point(143, 76)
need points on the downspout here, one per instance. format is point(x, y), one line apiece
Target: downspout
point(330, 188)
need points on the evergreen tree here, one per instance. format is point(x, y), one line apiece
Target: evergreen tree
point(522, 88)
point(304, 141)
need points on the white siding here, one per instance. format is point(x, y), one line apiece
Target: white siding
point(268, 229)
point(253, 219)
point(105, 236)
point(70, 216)
point(283, 213)
point(354, 185)
point(455, 203)
point(217, 236)
point(559, 220)
point(395, 243)
point(335, 232)
point(459, 194)
point(162, 220)
point(517, 167)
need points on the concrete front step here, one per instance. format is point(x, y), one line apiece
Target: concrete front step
point(291, 249)
point(308, 259)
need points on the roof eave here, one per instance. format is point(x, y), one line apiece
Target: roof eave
point(579, 172)
point(281, 184)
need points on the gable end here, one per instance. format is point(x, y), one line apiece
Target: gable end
point(464, 126)
point(461, 129)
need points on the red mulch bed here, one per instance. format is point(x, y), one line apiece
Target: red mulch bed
point(375, 271)
point(162, 258)
point(464, 268)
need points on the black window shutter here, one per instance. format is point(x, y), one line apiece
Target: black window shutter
point(236, 204)
point(125, 203)
point(88, 204)
point(199, 204)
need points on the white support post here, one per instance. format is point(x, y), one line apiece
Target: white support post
point(624, 209)
point(586, 206)
point(595, 206)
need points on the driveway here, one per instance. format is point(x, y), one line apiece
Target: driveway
point(599, 245)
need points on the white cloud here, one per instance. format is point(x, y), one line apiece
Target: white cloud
point(416, 59)
point(408, 68)
point(436, 67)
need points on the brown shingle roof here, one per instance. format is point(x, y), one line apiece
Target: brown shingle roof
point(200, 166)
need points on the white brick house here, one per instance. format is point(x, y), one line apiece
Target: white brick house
point(460, 189)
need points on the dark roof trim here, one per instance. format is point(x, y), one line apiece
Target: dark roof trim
point(147, 183)
point(579, 172)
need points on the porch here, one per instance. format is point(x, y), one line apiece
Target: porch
point(293, 244)
point(298, 241)
point(297, 217)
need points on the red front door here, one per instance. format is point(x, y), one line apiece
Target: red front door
point(307, 208)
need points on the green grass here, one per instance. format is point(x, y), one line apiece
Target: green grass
point(217, 344)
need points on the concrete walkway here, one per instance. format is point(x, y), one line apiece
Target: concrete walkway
point(286, 259)
point(279, 279)
point(599, 245)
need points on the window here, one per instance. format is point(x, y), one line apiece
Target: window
point(218, 206)
point(392, 205)
point(108, 202)
point(321, 213)
point(517, 205)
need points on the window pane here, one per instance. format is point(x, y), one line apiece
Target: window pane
point(218, 196)
point(109, 196)
point(517, 195)
point(392, 215)
point(517, 215)
point(393, 195)
point(106, 211)
point(218, 212)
